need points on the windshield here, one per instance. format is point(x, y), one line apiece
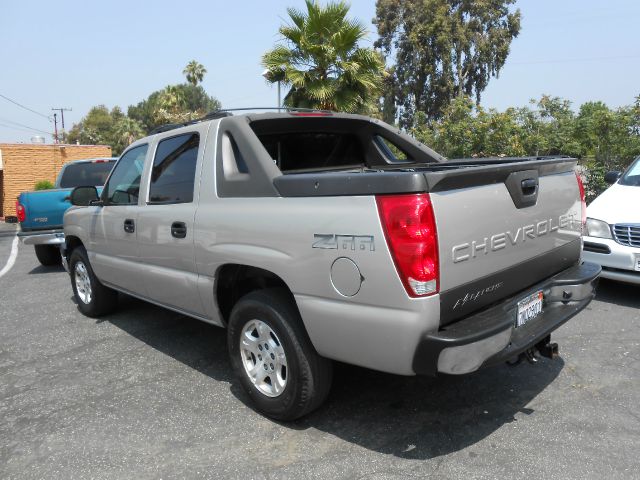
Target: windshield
point(632, 175)
point(86, 174)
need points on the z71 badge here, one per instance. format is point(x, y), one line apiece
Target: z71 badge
point(330, 241)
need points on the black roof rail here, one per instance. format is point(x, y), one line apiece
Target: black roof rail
point(172, 126)
point(227, 112)
point(279, 109)
point(217, 114)
point(166, 128)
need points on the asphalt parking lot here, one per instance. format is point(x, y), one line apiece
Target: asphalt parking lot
point(147, 393)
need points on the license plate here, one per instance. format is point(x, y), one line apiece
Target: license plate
point(529, 308)
point(637, 266)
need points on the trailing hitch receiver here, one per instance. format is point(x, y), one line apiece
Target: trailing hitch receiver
point(543, 348)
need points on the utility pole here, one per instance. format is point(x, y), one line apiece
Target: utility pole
point(61, 110)
point(55, 126)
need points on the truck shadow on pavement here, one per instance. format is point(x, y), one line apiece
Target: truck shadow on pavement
point(618, 293)
point(408, 417)
point(40, 269)
point(196, 344)
point(422, 418)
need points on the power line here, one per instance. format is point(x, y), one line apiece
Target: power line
point(11, 127)
point(26, 108)
point(572, 60)
point(24, 126)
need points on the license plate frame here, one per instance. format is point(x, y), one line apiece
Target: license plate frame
point(529, 308)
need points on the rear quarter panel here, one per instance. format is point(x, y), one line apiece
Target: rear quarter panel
point(378, 327)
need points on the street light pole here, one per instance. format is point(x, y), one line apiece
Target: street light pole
point(268, 76)
point(279, 101)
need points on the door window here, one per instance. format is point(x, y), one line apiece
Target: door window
point(123, 186)
point(174, 170)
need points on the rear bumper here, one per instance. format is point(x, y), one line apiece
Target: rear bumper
point(42, 237)
point(490, 336)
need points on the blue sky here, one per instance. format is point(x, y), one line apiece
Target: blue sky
point(78, 54)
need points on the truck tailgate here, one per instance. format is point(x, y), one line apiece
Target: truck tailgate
point(491, 245)
point(44, 209)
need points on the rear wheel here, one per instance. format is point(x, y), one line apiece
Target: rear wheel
point(93, 298)
point(48, 255)
point(273, 357)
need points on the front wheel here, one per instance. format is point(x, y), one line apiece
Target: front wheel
point(48, 255)
point(273, 357)
point(92, 297)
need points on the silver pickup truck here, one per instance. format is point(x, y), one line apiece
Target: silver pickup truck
point(316, 236)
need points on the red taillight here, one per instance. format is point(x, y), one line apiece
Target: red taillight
point(21, 213)
point(410, 229)
point(583, 202)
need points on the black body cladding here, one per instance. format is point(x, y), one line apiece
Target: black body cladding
point(423, 178)
point(512, 280)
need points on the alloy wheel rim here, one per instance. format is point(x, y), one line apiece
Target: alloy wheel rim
point(263, 358)
point(83, 282)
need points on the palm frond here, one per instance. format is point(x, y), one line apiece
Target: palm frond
point(321, 90)
point(322, 62)
point(297, 17)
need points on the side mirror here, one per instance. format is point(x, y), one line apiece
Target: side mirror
point(612, 177)
point(84, 196)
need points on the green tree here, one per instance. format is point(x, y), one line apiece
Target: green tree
point(125, 131)
point(171, 107)
point(322, 62)
point(96, 128)
point(456, 134)
point(603, 138)
point(468, 130)
point(443, 49)
point(610, 140)
point(549, 127)
point(101, 126)
point(194, 72)
point(610, 136)
point(179, 103)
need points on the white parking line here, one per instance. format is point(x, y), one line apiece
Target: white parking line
point(12, 257)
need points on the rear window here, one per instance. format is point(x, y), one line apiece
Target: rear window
point(86, 174)
point(311, 150)
point(391, 151)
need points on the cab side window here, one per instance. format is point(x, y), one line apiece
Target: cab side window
point(174, 170)
point(123, 186)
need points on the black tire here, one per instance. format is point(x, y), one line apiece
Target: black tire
point(48, 255)
point(308, 375)
point(102, 300)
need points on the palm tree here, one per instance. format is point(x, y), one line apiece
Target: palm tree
point(322, 62)
point(127, 130)
point(194, 72)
